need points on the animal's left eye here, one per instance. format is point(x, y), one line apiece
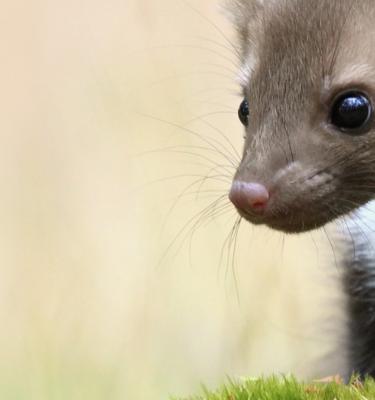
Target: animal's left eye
point(243, 112)
point(351, 112)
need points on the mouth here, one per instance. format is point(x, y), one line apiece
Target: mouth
point(286, 222)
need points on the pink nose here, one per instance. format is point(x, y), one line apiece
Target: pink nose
point(249, 196)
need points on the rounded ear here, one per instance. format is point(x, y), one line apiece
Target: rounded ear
point(244, 14)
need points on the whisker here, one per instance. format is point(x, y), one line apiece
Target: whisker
point(218, 44)
point(193, 47)
point(205, 218)
point(234, 273)
point(217, 89)
point(226, 168)
point(220, 66)
point(174, 205)
point(174, 149)
point(332, 246)
point(189, 74)
point(200, 117)
point(339, 160)
point(193, 133)
point(219, 178)
point(217, 29)
point(186, 226)
point(236, 154)
point(213, 103)
point(204, 181)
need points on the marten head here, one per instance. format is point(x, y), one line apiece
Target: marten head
point(308, 82)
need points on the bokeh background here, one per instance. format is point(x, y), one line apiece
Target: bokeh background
point(109, 289)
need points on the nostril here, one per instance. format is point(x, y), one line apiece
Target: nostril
point(259, 205)
point(249, 196)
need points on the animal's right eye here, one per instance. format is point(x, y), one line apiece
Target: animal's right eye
point(243, 112)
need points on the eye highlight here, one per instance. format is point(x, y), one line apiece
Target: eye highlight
point(351, 112)
point(243, 112)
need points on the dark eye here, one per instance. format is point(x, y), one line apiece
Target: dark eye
point(243, 112)
point(351, 112)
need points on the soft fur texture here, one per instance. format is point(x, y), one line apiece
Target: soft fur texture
point(297, 56)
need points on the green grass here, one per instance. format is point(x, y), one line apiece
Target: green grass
point(288, 388)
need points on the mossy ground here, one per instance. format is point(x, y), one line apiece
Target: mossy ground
point(288, 388)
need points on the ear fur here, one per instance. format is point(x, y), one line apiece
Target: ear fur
point(245, 16)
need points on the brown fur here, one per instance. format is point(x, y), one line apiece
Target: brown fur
point(297, 56)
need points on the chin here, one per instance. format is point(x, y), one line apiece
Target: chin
point(289, 224)
point(294, 228)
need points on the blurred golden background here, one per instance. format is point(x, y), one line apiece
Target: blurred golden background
point(110, 111)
